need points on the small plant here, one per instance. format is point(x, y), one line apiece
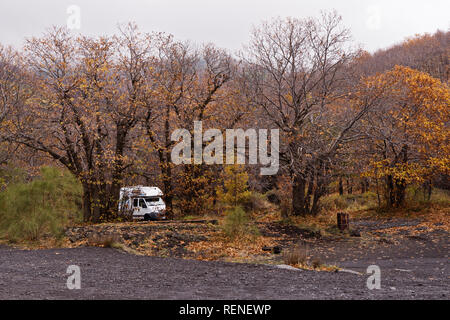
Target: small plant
point(256, 202)
point(235, 190)
point(236, 224)
point(296, 256)
point(317, 263)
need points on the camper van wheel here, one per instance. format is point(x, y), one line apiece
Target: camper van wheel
point(147, 217)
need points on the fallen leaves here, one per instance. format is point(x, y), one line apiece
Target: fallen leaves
point(220, 247)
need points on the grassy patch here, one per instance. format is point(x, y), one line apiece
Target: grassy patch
point(349, 202)
point(236, 224)
point(298, 257)
point(416, 198)
point(44, 206)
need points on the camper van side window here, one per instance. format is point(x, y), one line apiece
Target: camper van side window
point(135, 203)
point(142, 204)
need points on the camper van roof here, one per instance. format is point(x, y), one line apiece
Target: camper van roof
point(143, 191)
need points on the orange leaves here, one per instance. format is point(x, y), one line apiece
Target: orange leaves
point(412, 111)
point(219, 247)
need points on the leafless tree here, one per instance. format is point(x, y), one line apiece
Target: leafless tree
point(296, 71)
point(14, 92)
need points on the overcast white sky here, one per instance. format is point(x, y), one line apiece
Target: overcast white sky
point(227, 23)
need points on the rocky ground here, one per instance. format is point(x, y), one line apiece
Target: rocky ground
point(378, 239)
point(412, 256)
point(113, 274)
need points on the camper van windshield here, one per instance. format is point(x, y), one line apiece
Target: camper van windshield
point(152, 201)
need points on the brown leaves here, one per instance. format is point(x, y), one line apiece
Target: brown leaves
point(411, 110)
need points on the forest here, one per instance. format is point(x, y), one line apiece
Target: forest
point(81, 117)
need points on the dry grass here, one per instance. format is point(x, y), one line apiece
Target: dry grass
point(41, 244)
point(104, 241)
point(220, 247)
point(434, 213)
point(298, 257)
point(110, 241)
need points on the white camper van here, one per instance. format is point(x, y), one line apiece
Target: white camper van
point(142, 203)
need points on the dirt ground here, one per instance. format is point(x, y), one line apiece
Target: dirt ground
point(112, 274)
point(413, 259)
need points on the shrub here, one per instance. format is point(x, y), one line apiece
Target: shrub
point(10, 175)
point(296, 255)
point(273, 197)
point(45, 205)
point(235, 189)
point(284, 192)
point(256, 202)
point(316, 263)
point(236, 224)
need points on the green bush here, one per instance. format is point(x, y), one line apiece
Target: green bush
point(10, 175)
point(237, 224)
point(234, 191)
point(45, 205)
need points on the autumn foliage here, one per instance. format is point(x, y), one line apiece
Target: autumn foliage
point(408, 127)
point(104, 109)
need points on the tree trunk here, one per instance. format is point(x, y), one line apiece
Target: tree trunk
point(349, 186)
point(96, 205)
point(378, 193)
point(167, 183)
point(400, 188)
point(315, 204)
point(168, 169)
point(112, 196)
point(298, 196)
point(401, 184)
point(390, 197)
point(86, 203)
point(427, 190)
point(364, 185)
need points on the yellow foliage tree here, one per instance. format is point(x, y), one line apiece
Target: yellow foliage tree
point(235, 189)
point(409, 128)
